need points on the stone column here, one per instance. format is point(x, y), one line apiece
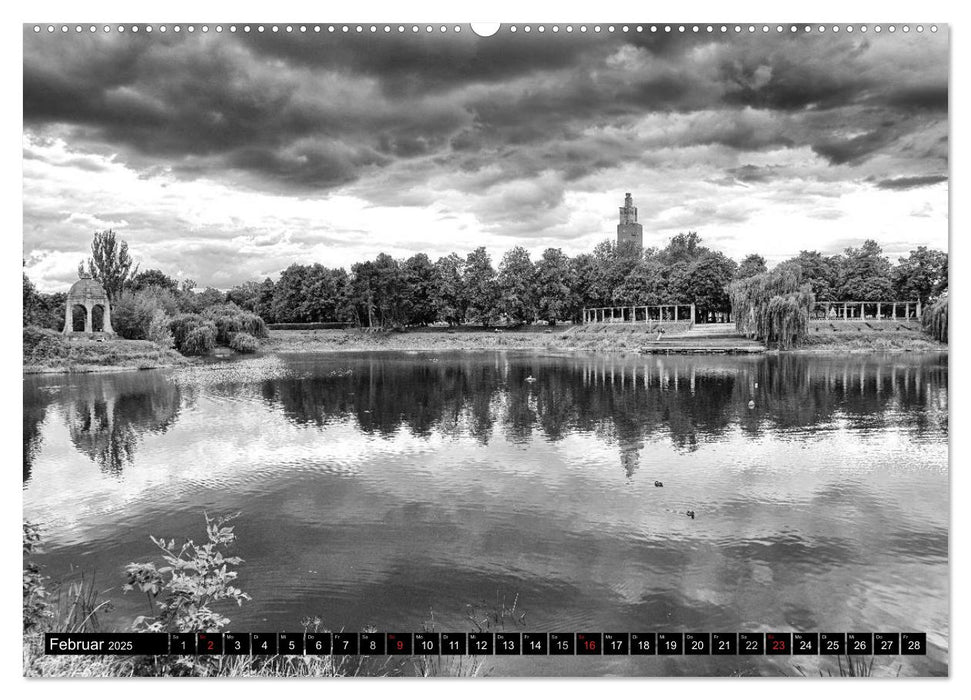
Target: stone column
point(87, 319)
point(68, 319)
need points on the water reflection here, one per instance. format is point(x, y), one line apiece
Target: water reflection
point(106, 416)
point(385, 485)
point(627, 401)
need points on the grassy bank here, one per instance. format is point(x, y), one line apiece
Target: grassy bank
point(619, 338)
point(863, 341)
point(52, 355)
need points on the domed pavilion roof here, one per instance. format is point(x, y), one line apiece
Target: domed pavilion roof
point(87, 288)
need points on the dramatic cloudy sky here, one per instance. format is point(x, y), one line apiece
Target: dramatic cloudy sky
point(226, 157)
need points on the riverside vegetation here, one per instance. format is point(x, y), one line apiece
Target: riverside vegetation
point(155, 314)
point(186, 592)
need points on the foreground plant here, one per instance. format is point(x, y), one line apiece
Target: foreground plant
point(182, 593)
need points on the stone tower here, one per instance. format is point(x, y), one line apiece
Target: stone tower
point(628, 230)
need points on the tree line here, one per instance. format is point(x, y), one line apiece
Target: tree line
point(388, 292)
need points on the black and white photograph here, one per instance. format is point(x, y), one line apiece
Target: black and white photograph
point(469, 350)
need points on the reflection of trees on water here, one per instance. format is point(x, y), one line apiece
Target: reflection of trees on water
point(108, 416)
point(35, 411)
point(627, 401)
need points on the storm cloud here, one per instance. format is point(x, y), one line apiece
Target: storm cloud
point(512, 139)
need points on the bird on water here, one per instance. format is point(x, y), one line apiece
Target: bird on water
point(691, 514)
point(658, 484)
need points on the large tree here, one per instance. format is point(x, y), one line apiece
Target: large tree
point(421, 284)
point(555, 284)
point(391, 291)
point(288, 295)
point(517, 286)
point(705, 283)
point(865, 274)
point(450, 298)
point(321, 294)
point(109, 263)
point(752, 264)
point(647, 284)
point(153, 278)
point(821, 272)
point(479, 282)
point(583, 269)
point(921, 275)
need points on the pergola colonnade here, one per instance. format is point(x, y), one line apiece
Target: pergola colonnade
point(658, 313)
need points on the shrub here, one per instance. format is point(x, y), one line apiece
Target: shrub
point(183, 592)
point(132, 313)
point(37, 605)
point(244, 342)
point(188, 341)
point(42, 345)
point(230, 320)
point(200, 341)
point(158, 331)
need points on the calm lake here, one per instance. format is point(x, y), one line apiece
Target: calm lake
point(396, 489)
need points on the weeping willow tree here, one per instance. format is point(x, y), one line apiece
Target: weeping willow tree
point(934, 319)
point(773, 306)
